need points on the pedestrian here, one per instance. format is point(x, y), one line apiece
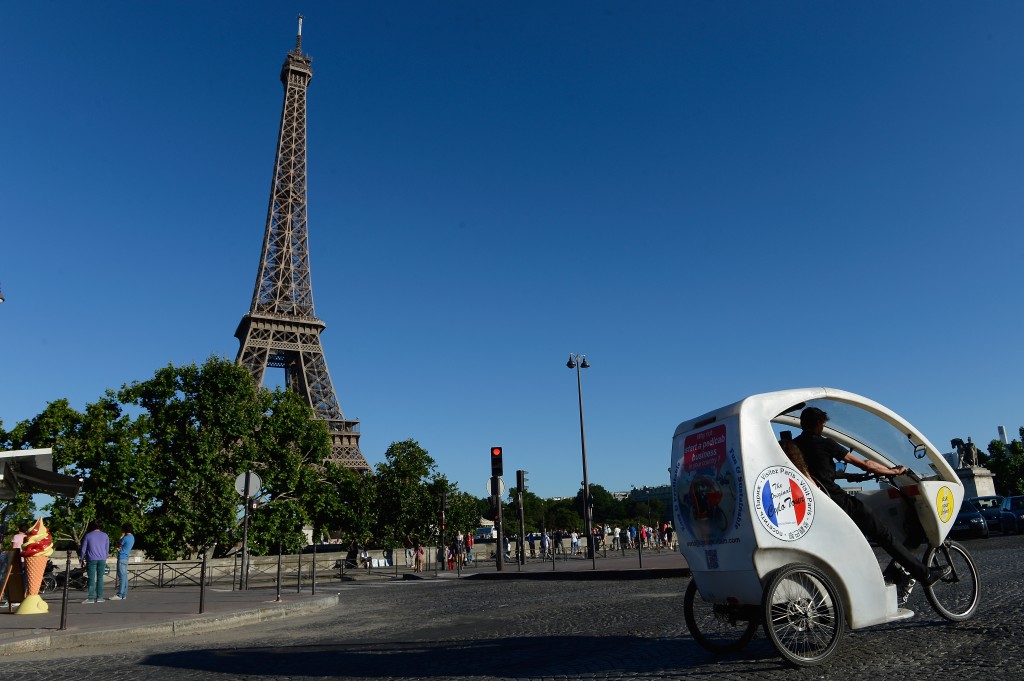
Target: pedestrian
point(408, 544)
point(93, 557)
point(124, 552)
point(352, 556)
point(545, 544)
point(19, 536)
point(469, 547)
point(460, 549)
point(419, 554)
point(531, 539)
point(5, 556)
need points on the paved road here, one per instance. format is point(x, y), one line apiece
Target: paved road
point(470, 629)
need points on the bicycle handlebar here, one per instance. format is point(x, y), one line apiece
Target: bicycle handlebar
point(864, 477)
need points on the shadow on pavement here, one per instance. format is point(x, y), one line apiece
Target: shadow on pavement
point(523, 657)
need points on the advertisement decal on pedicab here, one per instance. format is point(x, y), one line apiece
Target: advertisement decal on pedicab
point(708, 492)
point(783, 502)
point(944, 504)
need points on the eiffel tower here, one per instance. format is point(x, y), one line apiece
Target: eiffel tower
point(281, 329)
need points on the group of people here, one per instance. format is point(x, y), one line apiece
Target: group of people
point(459, 552)
point(92, 555)
point(415, 554)
point(614, 538)
point(93, 558)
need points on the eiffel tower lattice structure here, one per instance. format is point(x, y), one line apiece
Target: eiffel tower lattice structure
point(281, 329)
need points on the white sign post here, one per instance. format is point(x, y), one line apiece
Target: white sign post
point(247, 484)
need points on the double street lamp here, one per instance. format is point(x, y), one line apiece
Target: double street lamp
point(577, 362)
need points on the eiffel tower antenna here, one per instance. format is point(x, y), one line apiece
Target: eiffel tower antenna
point(281, 329)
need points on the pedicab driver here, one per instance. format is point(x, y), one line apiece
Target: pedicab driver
point(819, 451)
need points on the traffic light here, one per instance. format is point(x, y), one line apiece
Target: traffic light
point(521, 481)
point(496, 469)
point(495, 508)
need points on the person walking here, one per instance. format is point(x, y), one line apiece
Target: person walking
point(419, 555)
point(93, 557)
point(19, 537)
point(124, 551)
point(409, 550)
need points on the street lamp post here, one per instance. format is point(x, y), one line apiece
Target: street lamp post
point(578, 362)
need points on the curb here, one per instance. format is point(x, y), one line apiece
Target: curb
point(180, 627)
point(587, 575)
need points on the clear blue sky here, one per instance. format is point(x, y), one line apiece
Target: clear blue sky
point(710, 200)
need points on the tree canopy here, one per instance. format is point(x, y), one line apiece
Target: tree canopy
point(163, 454)
point(1006, 461)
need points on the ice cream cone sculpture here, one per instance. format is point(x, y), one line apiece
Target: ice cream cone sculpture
point(36, 551)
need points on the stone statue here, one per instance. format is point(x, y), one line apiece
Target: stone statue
point(967, 453)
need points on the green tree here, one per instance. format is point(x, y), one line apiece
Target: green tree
point(1007, 465)
point(199, 426)
point(289, 451)
point(406, 504)
point(97, 446)
point(533, 510)
point(560, 514)
point(21, 508)
point(341, 502)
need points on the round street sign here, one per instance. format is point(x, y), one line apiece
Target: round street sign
point(490, 490)
point(254, 484)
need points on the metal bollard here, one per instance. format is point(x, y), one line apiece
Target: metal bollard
point(202, 585)
point(313, 587)
point(64, 598)
point(278, 599)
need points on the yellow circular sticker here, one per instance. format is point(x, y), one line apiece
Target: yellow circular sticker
point(944, 504)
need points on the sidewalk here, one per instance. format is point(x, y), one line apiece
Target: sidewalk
point(152, 613)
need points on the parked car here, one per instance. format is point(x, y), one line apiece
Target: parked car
point(992, 509)
point(970, 522)
point(1013, 508)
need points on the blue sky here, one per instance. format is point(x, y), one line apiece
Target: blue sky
point(709, 200)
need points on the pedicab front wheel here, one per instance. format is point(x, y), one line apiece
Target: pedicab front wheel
point(719, 628)
point(803, 615)
point(954, 597)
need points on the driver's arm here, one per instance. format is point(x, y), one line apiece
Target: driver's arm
point(873, 466)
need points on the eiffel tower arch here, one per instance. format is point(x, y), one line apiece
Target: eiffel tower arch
point(282, 330)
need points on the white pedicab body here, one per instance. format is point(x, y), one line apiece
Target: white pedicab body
point(765, 544)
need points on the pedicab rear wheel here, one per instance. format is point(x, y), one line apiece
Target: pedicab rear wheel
point(716, 627)
point(803, 615)
point(956, 597)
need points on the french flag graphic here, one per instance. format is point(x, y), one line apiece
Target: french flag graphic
point(783, 502)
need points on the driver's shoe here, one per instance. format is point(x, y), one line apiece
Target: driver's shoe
point(935, 574)
point(903, 588)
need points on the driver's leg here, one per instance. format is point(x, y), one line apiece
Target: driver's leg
point(874, 529)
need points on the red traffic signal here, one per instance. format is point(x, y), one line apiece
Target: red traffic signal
point(496, 467)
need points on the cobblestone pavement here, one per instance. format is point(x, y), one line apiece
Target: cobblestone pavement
point(469, 629)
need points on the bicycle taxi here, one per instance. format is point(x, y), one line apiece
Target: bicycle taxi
point(766, 545)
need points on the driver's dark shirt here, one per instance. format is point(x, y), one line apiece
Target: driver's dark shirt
point(820, 454)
